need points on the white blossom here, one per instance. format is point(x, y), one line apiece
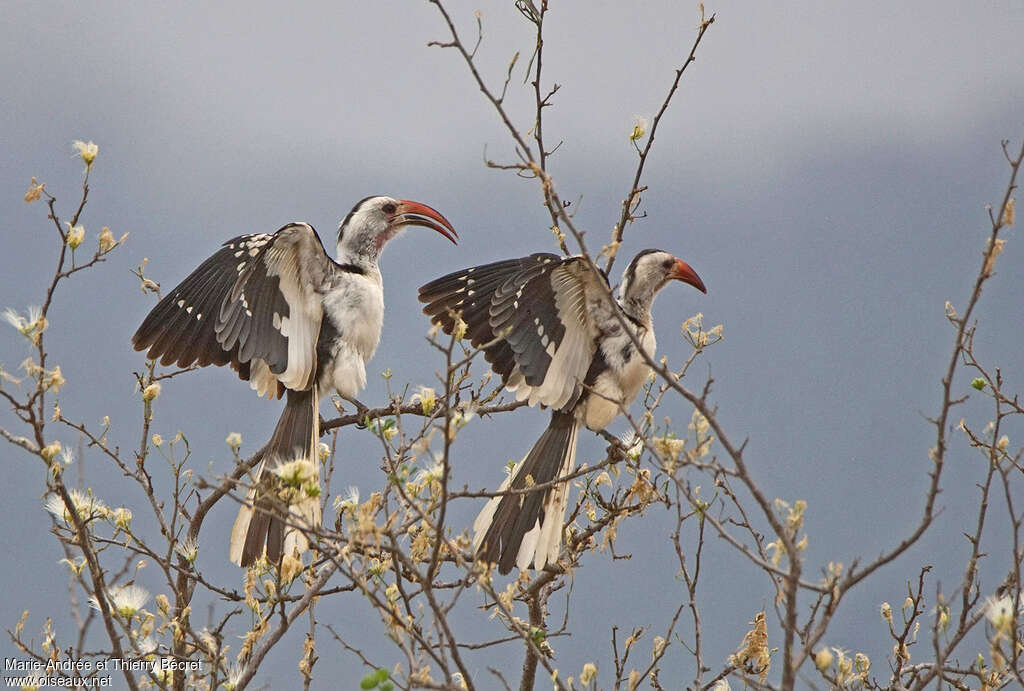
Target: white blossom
point(296, 473)
point(146, 645)
point(999, 611)
point(125, 600)
point(151, 392)
point(122, 518)
point(188, 549)
point(86, 150)
point(28, 326)
point(427, 398)
point(427, 475)
point(86, 506)
point(349, 501)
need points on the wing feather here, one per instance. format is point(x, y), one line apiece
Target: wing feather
point(254, 305)
point(530, 317)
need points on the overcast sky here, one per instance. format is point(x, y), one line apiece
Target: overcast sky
point(825, 168)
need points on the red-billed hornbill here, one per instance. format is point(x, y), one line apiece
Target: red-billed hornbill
point(290, 319)
point(547, 328)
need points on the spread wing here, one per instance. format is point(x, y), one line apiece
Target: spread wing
point(254, 305)
point(530, 317)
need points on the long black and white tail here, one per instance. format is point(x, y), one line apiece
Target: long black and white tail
point(517, 529)
point(271, 511)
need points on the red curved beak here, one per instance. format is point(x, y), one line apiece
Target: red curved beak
point(412, 213)
point(683, 272)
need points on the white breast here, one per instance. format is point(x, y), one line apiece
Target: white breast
point(636, 371)
point(356, 308)
point(619, 385)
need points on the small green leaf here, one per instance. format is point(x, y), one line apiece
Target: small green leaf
point(382, 675)
point(978, 383)
point(369, 681)
point(538, 634)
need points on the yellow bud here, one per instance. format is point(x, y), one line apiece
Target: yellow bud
point(74, 236)
point(163, 604)
point(823, 659)
point(639, 128)
point(50, 451)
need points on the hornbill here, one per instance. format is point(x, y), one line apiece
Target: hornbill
point(287, 318)
point(547, 328)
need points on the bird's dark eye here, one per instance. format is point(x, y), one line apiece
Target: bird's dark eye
point(388, 208)
point(667, 263)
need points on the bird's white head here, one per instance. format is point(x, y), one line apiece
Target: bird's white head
point(647, 274)
point(375, 220)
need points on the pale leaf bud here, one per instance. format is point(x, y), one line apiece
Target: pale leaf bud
point(588, 673)
point(290, 568)
point(35, 191)
point(106, 240)
point(54, 380)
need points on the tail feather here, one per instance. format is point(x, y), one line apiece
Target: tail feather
point(518, 529)
point(266, 519)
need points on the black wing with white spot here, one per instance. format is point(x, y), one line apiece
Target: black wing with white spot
point(530, 317)
point(254, 305)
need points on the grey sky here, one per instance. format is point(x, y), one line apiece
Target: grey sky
point(824, 168)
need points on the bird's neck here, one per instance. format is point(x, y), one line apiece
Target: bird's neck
point(636, 302)
point(362, 258)
point(637, 297)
